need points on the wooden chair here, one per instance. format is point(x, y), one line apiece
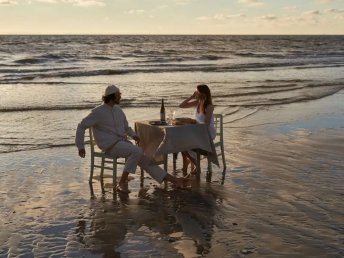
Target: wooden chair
point(218, 141)
point(106, 162)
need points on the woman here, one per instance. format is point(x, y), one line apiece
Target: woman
point(202, 101)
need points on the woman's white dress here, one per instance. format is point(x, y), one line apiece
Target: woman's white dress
point(200, 118)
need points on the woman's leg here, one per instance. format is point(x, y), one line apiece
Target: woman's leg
point(192, 161)
point(186, 162)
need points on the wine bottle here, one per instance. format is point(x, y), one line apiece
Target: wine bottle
point(162, 112)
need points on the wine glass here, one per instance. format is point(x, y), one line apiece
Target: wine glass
point(171, 116)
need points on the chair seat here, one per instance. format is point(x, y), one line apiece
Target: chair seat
point(106, 161)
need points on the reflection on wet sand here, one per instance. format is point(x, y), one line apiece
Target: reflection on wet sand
point(178, 223)
point(282, 198)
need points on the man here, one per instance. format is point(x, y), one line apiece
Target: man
point(110, 128)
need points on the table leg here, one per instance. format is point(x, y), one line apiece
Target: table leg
point(165, 167)
point(175, 155)
point(198, 164)
point(165, 161)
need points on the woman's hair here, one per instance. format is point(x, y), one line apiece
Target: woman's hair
point(108, 98)
point(205, 97)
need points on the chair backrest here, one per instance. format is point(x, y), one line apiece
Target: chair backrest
point(92, 140)
point(218, 123)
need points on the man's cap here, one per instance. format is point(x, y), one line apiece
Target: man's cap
point(111, 89)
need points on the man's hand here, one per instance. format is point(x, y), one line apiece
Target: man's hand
point(82, 153)
point(137, 139)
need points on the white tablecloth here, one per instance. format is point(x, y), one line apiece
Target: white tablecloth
point(159, 140)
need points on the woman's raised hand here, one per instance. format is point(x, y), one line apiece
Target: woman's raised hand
point(194, 95)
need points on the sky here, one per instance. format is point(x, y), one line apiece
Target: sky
point(172, 17)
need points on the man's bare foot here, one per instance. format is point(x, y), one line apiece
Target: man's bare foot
point(122, 187)
point(180, 182)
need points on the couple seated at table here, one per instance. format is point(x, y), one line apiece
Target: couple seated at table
point(110, 128)
point(201, 100)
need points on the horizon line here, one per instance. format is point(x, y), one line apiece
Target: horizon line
point(157, 34)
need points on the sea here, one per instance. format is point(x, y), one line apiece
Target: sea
point(282, 102)
point(46, 80)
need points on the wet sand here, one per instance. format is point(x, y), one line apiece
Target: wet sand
point(282, 196)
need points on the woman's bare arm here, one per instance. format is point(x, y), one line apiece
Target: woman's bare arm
point(189, 102)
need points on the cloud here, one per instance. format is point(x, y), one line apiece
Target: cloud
point(161, 7)
point(203, 18)
point(332, 10)
point(48, 1)
point(290, 8)
point(86, 3)
point(292, 19)
point(326, 1)
point(8, 2)
point(183, 2)
point(138, 11)
point(268, 17)
point(220, 17)
point(251, 3)
point(81, 3)
point(312, 13)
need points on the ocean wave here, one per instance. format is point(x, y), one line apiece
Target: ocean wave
point(45, 58)
point(323, 90)
point(48, 82)
point(254, 93)
point(230, 101)
point(211, 57)
point(159, 68)
point(243, 116)
point(268, 86)
point(270, 89)
point(261, 55)
point(291, 54)
point(9, 148)
point(104, 58)
point(157, 60)
point(125, 103)
point(15, 70)
point(46, 108)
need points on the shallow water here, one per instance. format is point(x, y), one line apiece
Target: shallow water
point(48, 83)
point(283, 116)
point(281, 197)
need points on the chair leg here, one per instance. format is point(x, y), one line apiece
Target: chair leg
point(165, 162)
point(165, 168)
point(223, 156)
point(224, 165)
point(102, 169)
point(210, 170)
point(142, 177)
point(91, 171)
point(114, 173)
point(198, 165)
point(175, 156)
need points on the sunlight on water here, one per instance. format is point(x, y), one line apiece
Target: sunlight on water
point(281, 195)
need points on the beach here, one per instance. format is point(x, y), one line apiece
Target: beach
point(281, 195)
point(277, 201)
